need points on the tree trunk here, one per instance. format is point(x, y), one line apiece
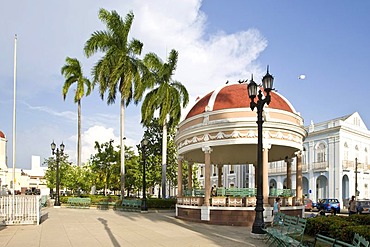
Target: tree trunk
point(79, 147)
point(122, 145)
point(164, 158)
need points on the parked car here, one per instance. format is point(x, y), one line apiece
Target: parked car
point(314, 205)
point(363, 206)
point(308, 204)
point(328, 203)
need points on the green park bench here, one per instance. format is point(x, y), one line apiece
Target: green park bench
point(131, 204)
point(43, 201)
point(104, 205)
point(287, 233)
point(77, 202)
point(321, 240)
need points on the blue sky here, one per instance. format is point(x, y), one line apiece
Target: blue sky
point(217, 40)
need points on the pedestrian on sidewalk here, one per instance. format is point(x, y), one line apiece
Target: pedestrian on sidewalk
point(352, 206)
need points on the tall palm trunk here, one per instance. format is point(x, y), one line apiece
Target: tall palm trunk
point(79, 146)
point(164, 158)
point(122, 132)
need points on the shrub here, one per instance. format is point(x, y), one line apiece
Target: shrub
point(348, 233)
point(161, 203)
point(317, 225)
point(95, 199)
point(339, 227)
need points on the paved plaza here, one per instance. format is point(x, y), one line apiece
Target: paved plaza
point(91, 227)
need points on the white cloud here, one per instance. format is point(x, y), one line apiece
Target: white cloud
point(206, 61)
point(96, 134)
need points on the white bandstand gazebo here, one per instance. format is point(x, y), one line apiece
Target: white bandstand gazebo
point(221, 130)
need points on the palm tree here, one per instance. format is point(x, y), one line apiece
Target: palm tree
point(119, 69)
point(72, 72)
point(168, 97)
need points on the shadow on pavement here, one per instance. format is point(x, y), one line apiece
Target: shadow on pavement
point(107, 229)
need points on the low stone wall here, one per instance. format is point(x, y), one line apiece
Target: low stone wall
point(191, 213)
point(232, 216)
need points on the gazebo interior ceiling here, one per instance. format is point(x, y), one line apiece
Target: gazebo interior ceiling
point(238, 154)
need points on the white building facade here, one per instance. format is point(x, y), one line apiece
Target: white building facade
point(24, 178)
point(333, 151)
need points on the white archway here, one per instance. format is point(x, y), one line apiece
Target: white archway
point(321, 187)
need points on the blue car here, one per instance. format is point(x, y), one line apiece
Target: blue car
point(328, 203)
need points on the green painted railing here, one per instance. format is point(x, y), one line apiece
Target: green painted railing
point(282, 192)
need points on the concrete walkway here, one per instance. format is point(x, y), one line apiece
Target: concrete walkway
point(90, 227)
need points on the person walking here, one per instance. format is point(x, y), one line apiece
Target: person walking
point(352, 206)
point(277, 205)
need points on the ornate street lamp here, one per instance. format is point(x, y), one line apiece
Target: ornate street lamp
point(267, 82)
point(144, 143)
point(58, 153)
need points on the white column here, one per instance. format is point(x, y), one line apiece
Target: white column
point(265, 173)
point(298, 180)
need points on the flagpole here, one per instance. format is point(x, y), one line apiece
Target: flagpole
point(14, 115)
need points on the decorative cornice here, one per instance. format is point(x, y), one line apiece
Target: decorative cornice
point(236, 134)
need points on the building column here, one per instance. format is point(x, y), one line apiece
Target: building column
point(179, 176)
point(265, 172)
point(288, 172)
point(190, 175)
point(255, 175)
point(298, 181)
point(207, 176)
point(219, 175)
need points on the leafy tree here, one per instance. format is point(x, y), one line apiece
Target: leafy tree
point(73, 73)
point(78, 178)
point(50, 174)
point(134, 171)
point(102, 163)
point(153, 151)
point(119, 69)
point(168, 97)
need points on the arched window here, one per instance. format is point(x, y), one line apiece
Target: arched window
point(321, 153)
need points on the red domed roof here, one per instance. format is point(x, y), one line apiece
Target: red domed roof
point(2, 134)
point(235, 96)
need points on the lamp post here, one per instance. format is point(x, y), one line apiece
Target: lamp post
point(144, 143)
point(58, 153)
point(267, 82)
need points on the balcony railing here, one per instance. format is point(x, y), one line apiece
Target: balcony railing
point(320, 166)
point(351, 165)
point(282, 169)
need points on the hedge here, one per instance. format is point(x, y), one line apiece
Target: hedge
point(339, 227)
